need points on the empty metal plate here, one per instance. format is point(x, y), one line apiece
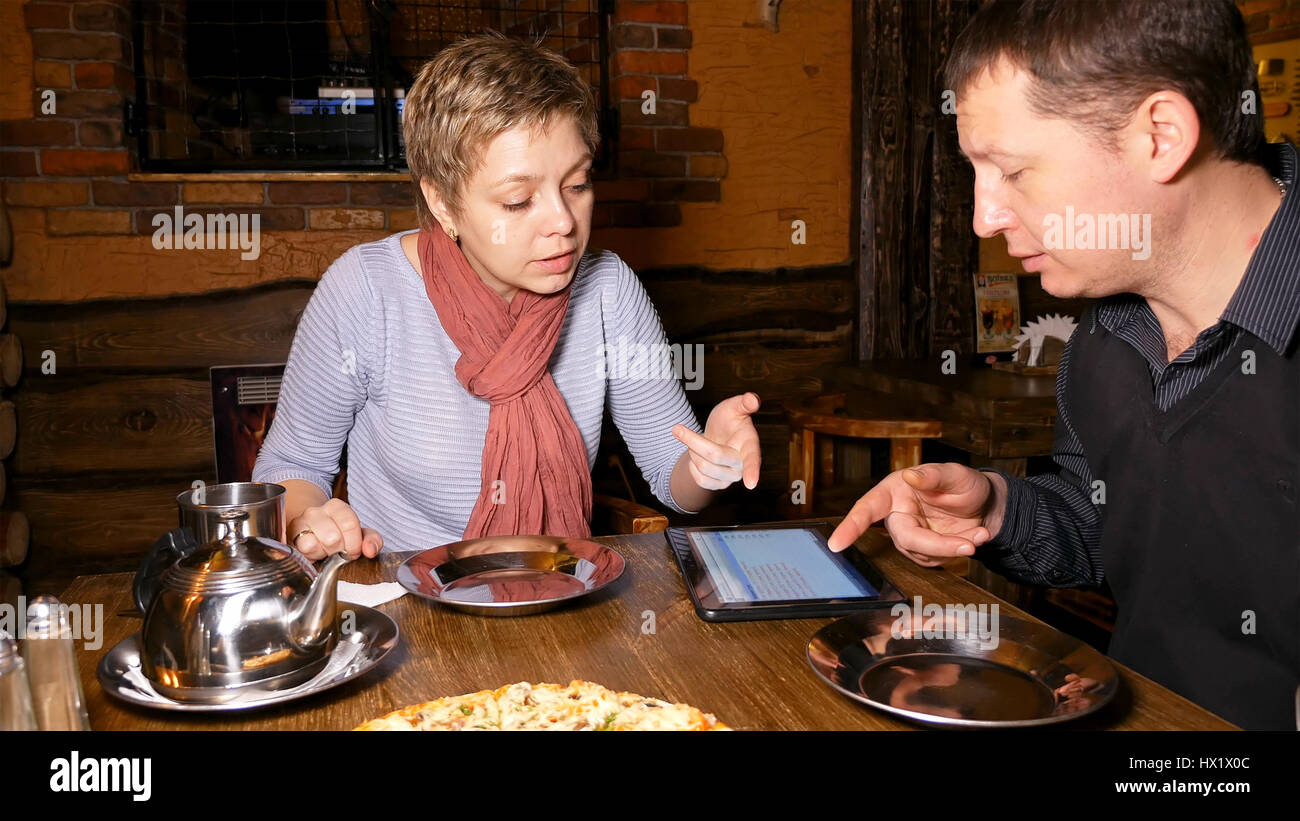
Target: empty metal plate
point(962, 668)
point(510, 575)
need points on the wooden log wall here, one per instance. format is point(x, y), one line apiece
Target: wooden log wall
point(124, 421)
point(14, 531)
point(13, 524)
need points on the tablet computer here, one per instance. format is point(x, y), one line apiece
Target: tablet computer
point(777, 571)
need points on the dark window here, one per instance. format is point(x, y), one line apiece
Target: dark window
point(316, 84)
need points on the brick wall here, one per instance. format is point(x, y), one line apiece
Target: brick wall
point(109, 206)
point(660, 159)
point(1268, 21)
point(773, 95)
point(72, 163)
point(81, 53)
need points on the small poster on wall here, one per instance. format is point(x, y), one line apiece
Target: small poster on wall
point(997, 312)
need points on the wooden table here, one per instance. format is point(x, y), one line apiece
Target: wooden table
point(752, 675)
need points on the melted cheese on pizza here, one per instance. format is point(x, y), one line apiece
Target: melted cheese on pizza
point(580, 705)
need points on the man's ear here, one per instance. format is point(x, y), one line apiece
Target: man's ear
point(1167, 132)
point(437, 206)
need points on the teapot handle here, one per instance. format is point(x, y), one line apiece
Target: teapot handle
point(169, 549)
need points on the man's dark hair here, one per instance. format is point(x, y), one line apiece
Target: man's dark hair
point(1094, 62)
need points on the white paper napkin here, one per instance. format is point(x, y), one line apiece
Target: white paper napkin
point(370, 595)
point(144, 689)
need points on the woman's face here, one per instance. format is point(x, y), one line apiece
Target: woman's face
point(526, 212)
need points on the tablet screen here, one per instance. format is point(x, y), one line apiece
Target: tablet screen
point(786, 564)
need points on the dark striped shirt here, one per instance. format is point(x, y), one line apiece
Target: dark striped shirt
point(1051, 531)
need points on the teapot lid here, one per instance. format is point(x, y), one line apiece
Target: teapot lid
point(235, 561)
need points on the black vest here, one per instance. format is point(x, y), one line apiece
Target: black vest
point(1199, 523)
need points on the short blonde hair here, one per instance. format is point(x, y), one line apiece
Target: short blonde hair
point(472, 91)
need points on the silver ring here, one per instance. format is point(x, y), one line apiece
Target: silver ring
point(299, 533)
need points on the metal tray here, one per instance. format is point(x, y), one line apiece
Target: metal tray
point(357, 652)
point(947, 669)
point(511, 575)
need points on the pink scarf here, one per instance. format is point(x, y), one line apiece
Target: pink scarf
point(532, 442)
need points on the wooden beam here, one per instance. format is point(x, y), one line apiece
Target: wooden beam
point(913, 203)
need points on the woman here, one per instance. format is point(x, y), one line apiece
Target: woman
point(464, 364)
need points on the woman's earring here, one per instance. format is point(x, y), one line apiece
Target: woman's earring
point(452, 233)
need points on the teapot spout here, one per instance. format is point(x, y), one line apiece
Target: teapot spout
point(312, 622)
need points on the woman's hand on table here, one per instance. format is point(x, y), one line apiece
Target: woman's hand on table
point(933, 512)
point(332, 528)
point(728, 451)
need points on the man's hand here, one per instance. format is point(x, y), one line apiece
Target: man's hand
point(728, 450)
point(933, 512)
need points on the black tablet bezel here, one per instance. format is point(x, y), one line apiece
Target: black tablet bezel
point(700, 587)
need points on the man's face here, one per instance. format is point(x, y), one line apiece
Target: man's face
point(530, 200)
point(1029, 169)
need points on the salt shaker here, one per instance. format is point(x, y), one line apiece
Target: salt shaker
point(15, 696)
point(52, 667)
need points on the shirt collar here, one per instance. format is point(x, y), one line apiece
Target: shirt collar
point(1267, 302)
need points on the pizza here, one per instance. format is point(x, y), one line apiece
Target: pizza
point(580, 705)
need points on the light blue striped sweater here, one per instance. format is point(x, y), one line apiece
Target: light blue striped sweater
point(371, 365)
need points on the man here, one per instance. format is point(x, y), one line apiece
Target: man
point(1118, 149)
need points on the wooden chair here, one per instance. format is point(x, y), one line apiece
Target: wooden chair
point(612, 515)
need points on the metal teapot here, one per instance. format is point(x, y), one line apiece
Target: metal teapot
point(200, 510)
point(238, 612)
